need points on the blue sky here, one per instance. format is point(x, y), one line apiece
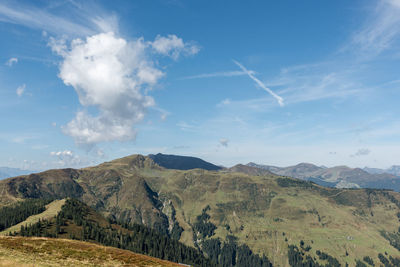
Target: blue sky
point(273, 82)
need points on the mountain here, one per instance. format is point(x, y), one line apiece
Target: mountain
point(394, 170)
point(182, 162)
point(339, 176)
point(301, 171)
point(6, 172)
point(231, 213)
point(249, 170)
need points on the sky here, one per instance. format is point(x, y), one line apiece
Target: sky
point(271, 82)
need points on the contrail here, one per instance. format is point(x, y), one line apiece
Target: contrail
point(261, 84)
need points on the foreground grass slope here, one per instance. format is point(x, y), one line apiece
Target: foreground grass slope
point(265, 211)
point(34, 251)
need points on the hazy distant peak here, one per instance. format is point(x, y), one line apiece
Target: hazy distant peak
point(6, 172)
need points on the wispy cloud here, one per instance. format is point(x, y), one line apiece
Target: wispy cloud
point(224, 142)
point(381, 30)
point(361, 152)
point(260, 83)
point(43, 19)
point(20, 90)
point(312, 86)
point(22, 139)
point(12, 61)
point(217, 74)
point(184, 126)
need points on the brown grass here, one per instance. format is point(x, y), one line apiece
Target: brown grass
point(23, 251)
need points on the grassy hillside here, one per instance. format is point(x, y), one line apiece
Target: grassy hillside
point(35, 251)
point(265, 211)
point(267, 214)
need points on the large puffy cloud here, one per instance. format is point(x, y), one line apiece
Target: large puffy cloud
point(109, 73)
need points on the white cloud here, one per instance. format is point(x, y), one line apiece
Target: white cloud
point(261, 84)
point(224, 102)
point(20, 90)
point(58, 46)
point(173, 46)
point(12, 61)
point(67, 158)
point(109, 73)
point(64, 153)
point(224, 142)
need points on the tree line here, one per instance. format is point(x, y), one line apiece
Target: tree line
point(227, 254)
point(224, 254)
point(20, 211)
point(139, 238)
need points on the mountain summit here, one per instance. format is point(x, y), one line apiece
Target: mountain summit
point(182, 162)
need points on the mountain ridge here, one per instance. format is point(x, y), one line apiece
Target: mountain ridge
point(182, 162)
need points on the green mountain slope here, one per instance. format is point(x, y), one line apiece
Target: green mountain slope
point(267, 212)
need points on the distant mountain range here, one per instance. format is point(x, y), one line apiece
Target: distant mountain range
point(339, 176)
point(6, 172)
point(395, 170)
